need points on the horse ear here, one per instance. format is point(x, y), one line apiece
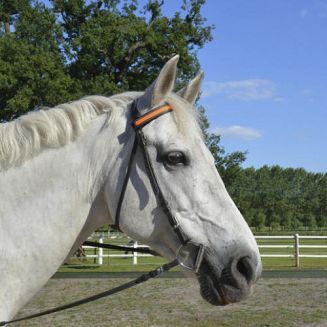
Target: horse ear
point(161, 87)
point(191, 92)
point(165, 82)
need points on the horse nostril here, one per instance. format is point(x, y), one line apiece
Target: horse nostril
point(240, 273)
point(246, 269)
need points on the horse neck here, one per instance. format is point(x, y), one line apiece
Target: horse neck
point(44, 205)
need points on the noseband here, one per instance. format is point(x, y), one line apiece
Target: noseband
point(189, 250)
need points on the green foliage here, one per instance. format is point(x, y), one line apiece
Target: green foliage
point(8, 11)
point(32, 70)
point(116, 46)
point(29, 77)
point(259, 219)
point(289, 198)
point(69, 48)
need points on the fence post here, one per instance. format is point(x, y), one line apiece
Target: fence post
point(94, 253)
point(297, 250)
point(100, 254)
point(135, 253)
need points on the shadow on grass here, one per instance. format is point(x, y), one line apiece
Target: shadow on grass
point(84, 267)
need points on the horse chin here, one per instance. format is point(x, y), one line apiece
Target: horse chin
point(214, 294)
point(217, 287)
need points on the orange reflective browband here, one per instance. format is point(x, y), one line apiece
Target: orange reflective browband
point(151, 115)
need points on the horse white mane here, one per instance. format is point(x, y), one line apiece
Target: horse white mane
point(33, 132)
point(30, 134)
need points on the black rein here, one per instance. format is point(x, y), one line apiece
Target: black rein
point(121, 248)
point(141, 279)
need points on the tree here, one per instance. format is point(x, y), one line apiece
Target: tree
point(310, 221)
point(259, 219)
point(70, 48)
point(290, 198)
point(128, 45)
point(29, 77)
point(32, 71)
point(8, 11)
point(273, 220)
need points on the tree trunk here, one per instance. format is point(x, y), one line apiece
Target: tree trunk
point(7, 25)
point(7, 28)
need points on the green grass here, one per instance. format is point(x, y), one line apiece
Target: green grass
point(288, 263)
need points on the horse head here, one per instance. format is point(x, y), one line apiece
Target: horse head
point(192, 192)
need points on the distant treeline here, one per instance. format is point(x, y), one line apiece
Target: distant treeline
point(281, 198)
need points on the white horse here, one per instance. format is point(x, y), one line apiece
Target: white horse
point(61, 175)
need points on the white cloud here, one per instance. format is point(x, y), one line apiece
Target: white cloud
point(236, 131)
point(244, 90)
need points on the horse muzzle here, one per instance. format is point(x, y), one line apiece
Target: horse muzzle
point(229, 284)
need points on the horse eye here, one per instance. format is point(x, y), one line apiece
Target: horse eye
point(175, 158)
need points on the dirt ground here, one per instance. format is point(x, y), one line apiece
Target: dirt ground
point(176, 302)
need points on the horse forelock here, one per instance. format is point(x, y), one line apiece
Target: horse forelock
point(185, 115)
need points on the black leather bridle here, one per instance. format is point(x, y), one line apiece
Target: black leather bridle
point(189, 254)
point(189, 251)
point(140, 141)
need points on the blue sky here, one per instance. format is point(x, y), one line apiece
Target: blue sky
point(265, 80)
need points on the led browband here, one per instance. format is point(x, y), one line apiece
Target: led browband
point(152, 114)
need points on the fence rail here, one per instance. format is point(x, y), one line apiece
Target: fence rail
point(295, 248)
point(100, 253)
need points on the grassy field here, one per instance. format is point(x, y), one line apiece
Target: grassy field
point(176, 302)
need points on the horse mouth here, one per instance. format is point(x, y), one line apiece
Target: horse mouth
point(220, 286)
point(211, 292)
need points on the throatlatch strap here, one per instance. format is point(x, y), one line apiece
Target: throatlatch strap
point(123, 190)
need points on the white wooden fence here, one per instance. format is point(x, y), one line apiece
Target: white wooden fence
point(100, 255)
point(295, 248)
